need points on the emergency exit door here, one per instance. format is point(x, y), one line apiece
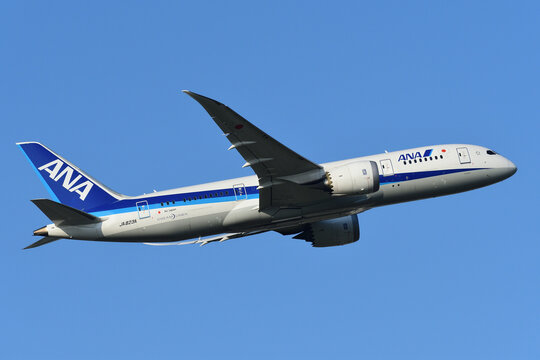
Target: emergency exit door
point(463, 154)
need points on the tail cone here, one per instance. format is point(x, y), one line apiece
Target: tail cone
point(41, 232)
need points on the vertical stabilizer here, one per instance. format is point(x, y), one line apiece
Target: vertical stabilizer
point(65, 182)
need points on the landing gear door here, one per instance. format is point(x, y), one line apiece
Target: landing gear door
point(386, 167)
point(143, 209)
point(240, 192)
point(463, 154)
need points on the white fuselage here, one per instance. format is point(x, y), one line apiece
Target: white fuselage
point(233, 205)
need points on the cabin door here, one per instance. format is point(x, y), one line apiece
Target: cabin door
point(386, 167)
point(143, 209)
point(463, 154)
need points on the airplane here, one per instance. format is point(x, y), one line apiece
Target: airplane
point(289, 194)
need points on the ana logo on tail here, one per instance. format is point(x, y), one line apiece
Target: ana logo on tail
point(54, 167)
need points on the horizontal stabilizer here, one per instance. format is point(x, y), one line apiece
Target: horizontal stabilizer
point(43, 241)
point(64, 215)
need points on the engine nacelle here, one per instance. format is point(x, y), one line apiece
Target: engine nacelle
point(361, 177)
point(334, 232)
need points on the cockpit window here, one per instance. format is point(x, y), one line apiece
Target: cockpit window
point(491, 152)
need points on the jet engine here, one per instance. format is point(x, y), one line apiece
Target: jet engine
point(361, 177)
point(334, 232)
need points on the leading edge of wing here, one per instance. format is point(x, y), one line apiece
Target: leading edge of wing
point(280, 170)
point(258, 148)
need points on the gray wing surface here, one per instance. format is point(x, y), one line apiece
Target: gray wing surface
point(61, 214)
point(43, 241)
point(285, 177)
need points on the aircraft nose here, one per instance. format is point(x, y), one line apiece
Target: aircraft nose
point(511, 168)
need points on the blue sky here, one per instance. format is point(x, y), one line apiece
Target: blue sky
point(99, 82)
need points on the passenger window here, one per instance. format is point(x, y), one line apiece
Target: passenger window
point(161, 204)
point(430, 158)
point(410, 162)
point(404, 163)
point(435, 157)
point(364, 171)
point(441, 156)
point(167, 203)
point(420, 160)
point(415, 161)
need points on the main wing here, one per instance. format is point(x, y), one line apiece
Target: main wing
point(286, 179)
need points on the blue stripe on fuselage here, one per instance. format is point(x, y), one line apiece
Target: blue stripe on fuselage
point(401, 177)
point(225, 195)
point(172, 200)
